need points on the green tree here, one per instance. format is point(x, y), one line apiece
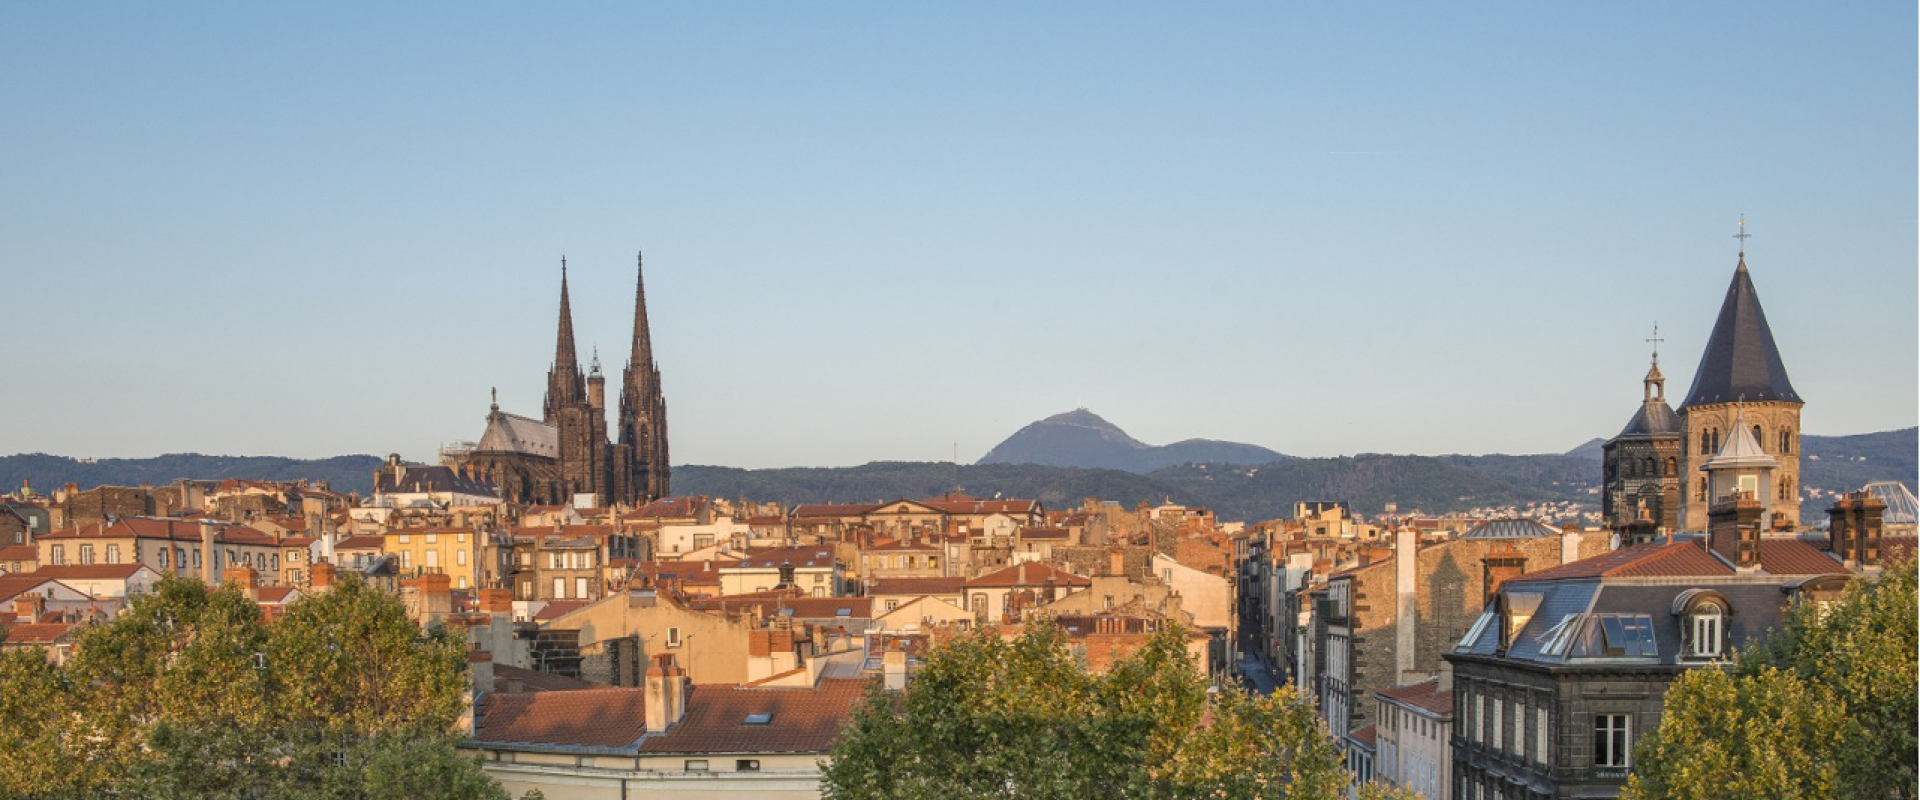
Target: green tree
point(1827, 707)
point(190, 694)
point(991, 718)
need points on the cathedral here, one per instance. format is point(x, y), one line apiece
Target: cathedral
point(1662, 470)
point(566, 452)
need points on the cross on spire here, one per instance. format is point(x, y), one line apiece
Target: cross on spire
point(1743, 236)
point(1655, 340)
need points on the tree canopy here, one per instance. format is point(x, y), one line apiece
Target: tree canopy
point(1827, 707)
point(189, 693)
point(991, 717)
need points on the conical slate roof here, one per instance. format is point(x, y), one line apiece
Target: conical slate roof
point(1741, 361)
point(1741, 450)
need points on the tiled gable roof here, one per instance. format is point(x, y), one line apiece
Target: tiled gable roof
point(20, 552)
point(611, 717)
point(88, 571)
point(1646, 560)
point(803, 720)
point(1795, 557)
point(38, 633)
point(918, 586)
point(1426, 695)
point(1029, 574)
point(800, 557)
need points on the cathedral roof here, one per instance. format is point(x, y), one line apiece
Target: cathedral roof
point(1741, 361)
point(512, 433)
point(1655, 418)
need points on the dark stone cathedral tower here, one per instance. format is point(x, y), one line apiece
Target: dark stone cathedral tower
point(642, 469)
point(582, 422)
point(566, 452)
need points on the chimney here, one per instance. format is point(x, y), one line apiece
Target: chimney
point(207, 552)
point(320, 578)
point(666, 693)
point(893, 664)
point(29, 606)
point(496, 601)
point(1570, 544)
point(480, 662)
point(1855, 525)
point(245, 578)
point(1501, 564)
point(1733, 529)
point(1406, 579)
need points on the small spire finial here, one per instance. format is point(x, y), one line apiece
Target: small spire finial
point(496, 397)
point(1655, 340)
point(1743, 236)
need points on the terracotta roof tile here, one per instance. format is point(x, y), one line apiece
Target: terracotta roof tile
point(20, 552)
point(1426, 695)
point(1646, 560)
point(1795, 557)
point(1364, 736)
point(1029, 574)
point(554, 609)
point(87, 571)
point(803, 720)
point(611, 717)
point(537, 681)
point(918, 586)
point(38, 633)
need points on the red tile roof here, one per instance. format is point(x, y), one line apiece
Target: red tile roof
point(1426, 695)
point(970, 506)
point(360, 543)
point(1795, 557)
point(275, 595)
point(803, 720)
point(87, 571)
point(13, 585)
point(37, 633)
point(611, 717)
point(800, 557)
point(802, 607)
point(1679, 559)
point(20, 552)
point(833, 510)
point(1043, 534)
point(162, 528)
point(1029, 574)
point(1364, 736)
point(918, 586)
point(554, 609)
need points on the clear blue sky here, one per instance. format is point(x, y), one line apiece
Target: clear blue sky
point(874, 231)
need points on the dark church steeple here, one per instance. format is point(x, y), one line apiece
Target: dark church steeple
point(1741, 360)
point(565, 385)
point(643, 409)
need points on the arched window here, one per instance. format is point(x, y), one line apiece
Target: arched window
point(1707, 624)
point(1759, 438)
point(1704, 440)
point(1673, 465)
point(1786, 440)
point(1649, 469)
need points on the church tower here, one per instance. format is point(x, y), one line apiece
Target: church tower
point(1741, 383)
point(644, 472)
point(584, 467)
point(1641, 495)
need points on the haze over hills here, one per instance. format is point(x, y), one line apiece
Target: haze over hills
point(1081, 438)
point(1236, 491)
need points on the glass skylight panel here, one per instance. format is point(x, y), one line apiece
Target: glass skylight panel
point(760, 718)
point(1473, 633)
point(1554, 642)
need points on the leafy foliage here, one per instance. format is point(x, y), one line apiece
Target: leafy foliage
point(190, 694)
point(1827, 708)
point(988, 717)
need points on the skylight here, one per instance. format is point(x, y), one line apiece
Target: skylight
point(759, 718)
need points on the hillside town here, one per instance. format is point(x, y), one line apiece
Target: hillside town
point(621, 639)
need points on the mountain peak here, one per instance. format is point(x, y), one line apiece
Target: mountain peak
point(1081, 438)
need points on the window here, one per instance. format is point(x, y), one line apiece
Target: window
point(433, 538)
point(892, 604)
point(1497, 725)
point(696, 765)
point(1707, 628)
point(1540, 737)
point(746, 765)
point(113, 554)
point(580, 588)
point(403, 538)
point(1786, 440)
point(673, 637)
point(460, 557)
point(86, 554)
point(163, 558)
point(1611, 734)
point(559, 588)
point(554, 560)
point(433, 558)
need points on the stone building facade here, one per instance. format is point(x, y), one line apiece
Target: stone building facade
point(1640, 497)
point(1741, 377)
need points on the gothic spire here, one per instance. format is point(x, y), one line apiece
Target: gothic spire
point(564, 384)
point(563, 354)
point(642, 356)
point(1741, 359)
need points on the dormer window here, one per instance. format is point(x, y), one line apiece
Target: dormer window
point(1707, 624)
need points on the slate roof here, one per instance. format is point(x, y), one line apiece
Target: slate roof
point(1741, 360)
point(803, 719)
point(512, 433)
point(1655, 418)
point(414, 478)
point(611, 717)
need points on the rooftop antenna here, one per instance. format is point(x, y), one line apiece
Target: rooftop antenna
point(1743, 236)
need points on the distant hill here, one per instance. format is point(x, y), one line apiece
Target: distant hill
point(1593, 448)
point(1434, 484)
point(1081, 438)
point(46, 472)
